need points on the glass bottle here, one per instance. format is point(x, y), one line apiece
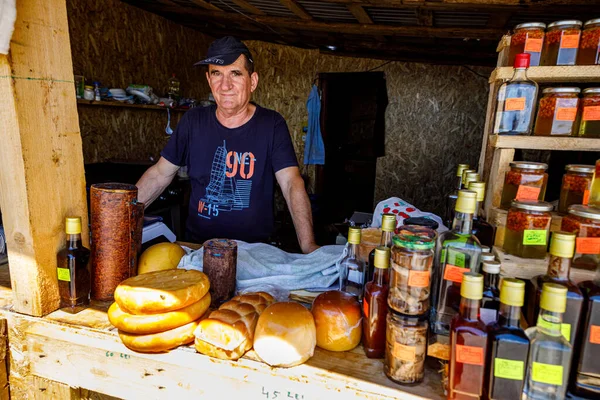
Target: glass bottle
point(468, 343)
point(174, 88)
point(406, 348)
point(516, 101)
point(509, 345)
point(557, 112)
point(451, 197)
point(484, 231)
point(594, 200)
point(463, 180)
point(73, 269)
point(352, 269)
point(388, 225)
point(576, 185)
point(471, 177)
point(549, 353)
point(561, 43)
point(589, 48)
point(527, 38)
point(490, 303)
point(457, 251)
point(375, 306)
point(590, 113)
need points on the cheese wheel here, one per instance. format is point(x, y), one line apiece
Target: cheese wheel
point(159, 342)
point(159, 257)
point(154, 323)
point(161, 291)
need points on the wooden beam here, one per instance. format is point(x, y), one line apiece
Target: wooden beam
point(42, 178)
point(424, 16)
point(360, 14)
point(206, 5)
point(446, 4)
point(499, 19)
point(249, 7)
point(297, 9)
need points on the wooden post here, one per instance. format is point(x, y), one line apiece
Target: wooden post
point(41, 176)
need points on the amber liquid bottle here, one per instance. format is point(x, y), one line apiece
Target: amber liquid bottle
point(484, 231)
point(490, 304)
point(375, 306)
point(388, 225)
point(468, 341)
point(453, 195)
point(73, 269)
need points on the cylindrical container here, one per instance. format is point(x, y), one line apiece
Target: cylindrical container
point(561, 43)
point(594, 200)
point(557, 112)
point(528, 229)
point(524, 181)
point(471, 177)
point(590, 113)
point(584, 221)
point(576, 186)
point(410, 275)
point(421, 221)
point(88, 93)
point(527, 38)
point(117, 221)
point(589, 47)
point(220, 265)
point(406, 348)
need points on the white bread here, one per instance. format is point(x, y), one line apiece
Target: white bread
point(338, 321)
point(285, 335)
point(159, 342)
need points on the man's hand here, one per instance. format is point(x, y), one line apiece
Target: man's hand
point(155, 180)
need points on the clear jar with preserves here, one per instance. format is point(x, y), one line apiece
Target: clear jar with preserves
point(584, 221)
point(590, 113)
point(557, 112)
point(406, 347)
point(528, 229)
point(561, 43)
point(525, 181)
point(527, 38)
point(410, 275)
point(576, 186)
point(589, 47)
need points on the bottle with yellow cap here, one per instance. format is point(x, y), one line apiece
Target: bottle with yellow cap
point(453, 194)
point(468, 343)
point(352, 269)
point(594, 200)
point(490, 304)
point(549, 360)
point(388, 226)
point(375, 307)
point(509, 345)
point(73, 270)
point(562, 248)
point(483, 230)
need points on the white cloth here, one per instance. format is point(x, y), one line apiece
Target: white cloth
point(403, 210)
point(8, 15)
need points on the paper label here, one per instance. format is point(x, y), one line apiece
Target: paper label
point(590, 245)
point(469, 355)
point(565, 329)
point(418, 279)
point(453, 273)
point(591, 113)
point(549, 326)
point(509, 369)
point(547, 373)
point(569, 41)
point(534, 237)
point(528, 193)
point(64, 274)
point(365, 307)
point(514, 104)
point(533, 45)
point(595, 334)
point(487, 315)
point(586, 197)
point(566, 113)
point(404, 352)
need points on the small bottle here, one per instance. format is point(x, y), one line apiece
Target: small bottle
point(97, 91)
point(174, 88)
point(352, 269)
point(468, 343)
point(375, 307)
point(490, 304)
point(550, 353)
point(74, 279)
point(463, 180)
point(453, 195)
point(484, 231)
point(388, 225)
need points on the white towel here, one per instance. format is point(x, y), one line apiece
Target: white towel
point(8, 15)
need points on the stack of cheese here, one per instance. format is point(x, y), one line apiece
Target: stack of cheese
point(160, 310)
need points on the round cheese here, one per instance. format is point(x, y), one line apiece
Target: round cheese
point(160, 257)
point(159, 342)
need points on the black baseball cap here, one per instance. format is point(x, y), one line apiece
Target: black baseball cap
point(225, 51)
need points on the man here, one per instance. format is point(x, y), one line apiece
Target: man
point(233, 151)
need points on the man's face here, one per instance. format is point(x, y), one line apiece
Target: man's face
point(231, 85)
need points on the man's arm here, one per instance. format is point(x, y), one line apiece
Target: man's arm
point(292, 186)
point(155, 180)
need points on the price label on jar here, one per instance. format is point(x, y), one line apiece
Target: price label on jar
point(404, 352)
point(547, 373)
point(566, 113)
point(528, 193)
point(586, 197)
point(534, 237)
point(453, 273)
point(591, 113)
point(595, 334)
point(514, 104)
point(509, 369)
point(418, 278)
point(533, 45)
point(469, 355)
point(589, 245)
point(569, 41)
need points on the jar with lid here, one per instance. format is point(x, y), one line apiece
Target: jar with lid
point(590, 113)
point(527, 38)
point(525, 181)
point(88, 93)
point(561, 43)
point(584, 221)
point(410, 275)
point(576, 186)
point(528, 229)
point(406, 348)
point(589, 47)
point(557, 112)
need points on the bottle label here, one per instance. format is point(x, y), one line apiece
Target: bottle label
point(365, 307)
point(595, 334)
point(586, 197)
point(565, 329)
point(528, 193)
point(454, 274)
point(419, 279)
point(569, 41)
point(404, 352)
point(547, 373)
point(64, 274)
point(509, 369)
point(469, 355)
point(533, 45)
point(549, 326)
point(487, 315)
point(591, 113)
point(589, 245)
point(514, 104)
point(534, 237)
point(456, 258)
point(566, 113)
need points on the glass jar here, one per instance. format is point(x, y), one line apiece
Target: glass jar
point(589, 47)
point(524, 181)
point(561, 43)
point(528, 229)
point(557, 112)
point(410, 275)
point(576, 186)
point(406, 348)
point(88, 93)
point(584, 221)
point(527, 38)
point(590, 113)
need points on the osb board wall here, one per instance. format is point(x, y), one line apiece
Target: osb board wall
point(118, 44)
point(434, 119)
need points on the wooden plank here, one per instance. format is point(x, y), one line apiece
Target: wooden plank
point(4, 391)
point(495, 182)
point(425, 16)
point(544, 143)
point(42, 178)
point(489, 120)
point(497, 217)
point(297, 9)
point(503, 50)
point(570, 73)
point(249, 7)
point(477, 5)
point(126, 105)
point(206, 5)
point(360, 14)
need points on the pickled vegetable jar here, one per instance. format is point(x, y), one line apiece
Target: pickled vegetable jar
point(406, 348)
point(576, 186)
point(590, 113)
point(524, 181)
point(584, 221)
point(561, 43)
point(527, 38)
point(589, 47)
point(528, 229)
point(557, 112)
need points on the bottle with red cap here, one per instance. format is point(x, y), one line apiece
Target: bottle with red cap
point(516, 101)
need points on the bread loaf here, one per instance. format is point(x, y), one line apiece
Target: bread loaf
point(229, 331)
point(161, 291)
point(159, 342)
point(338, 321)
point(159, 257)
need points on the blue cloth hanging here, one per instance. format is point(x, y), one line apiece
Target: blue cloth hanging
point(314, 148)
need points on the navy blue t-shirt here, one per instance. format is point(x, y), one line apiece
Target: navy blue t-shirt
point(232, 172)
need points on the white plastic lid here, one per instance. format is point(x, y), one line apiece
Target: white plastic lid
point(491, 267)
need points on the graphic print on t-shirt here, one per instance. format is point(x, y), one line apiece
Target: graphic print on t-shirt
point(230, 186)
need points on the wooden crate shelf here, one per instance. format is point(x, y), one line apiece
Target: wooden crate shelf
point(497, 217)
point(125, 105)
point(569, 73)
point(544, 143)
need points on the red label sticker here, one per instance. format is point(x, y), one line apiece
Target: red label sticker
point(566, 113)
point(533, 45)
point(454, 273)
point(528, 193)
point(469, 355)
point(586, 197)
point(516, 104)
point(365, 308)
point(591, 113)
point(570, 41)
point(589, 245)
point(418, 279)
point(595, 334)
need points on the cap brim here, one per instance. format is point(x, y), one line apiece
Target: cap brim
point(225, 59)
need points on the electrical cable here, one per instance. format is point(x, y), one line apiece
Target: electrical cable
point(379, 66)
point(475, 72)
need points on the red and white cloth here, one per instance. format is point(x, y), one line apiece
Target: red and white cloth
point(403, 210)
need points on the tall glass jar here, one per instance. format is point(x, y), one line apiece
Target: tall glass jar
point(527, 38)
point(561, 43)
point(528, 229)
point(406, 348)
point(590, 113)
point(557, 112)
point(576, 186)
point(525, 181)
point(589, 47)
point(584, 221)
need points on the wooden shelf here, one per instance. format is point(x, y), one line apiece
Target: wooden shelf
point(572, 73)
point(126, 105)
point(544, 143)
